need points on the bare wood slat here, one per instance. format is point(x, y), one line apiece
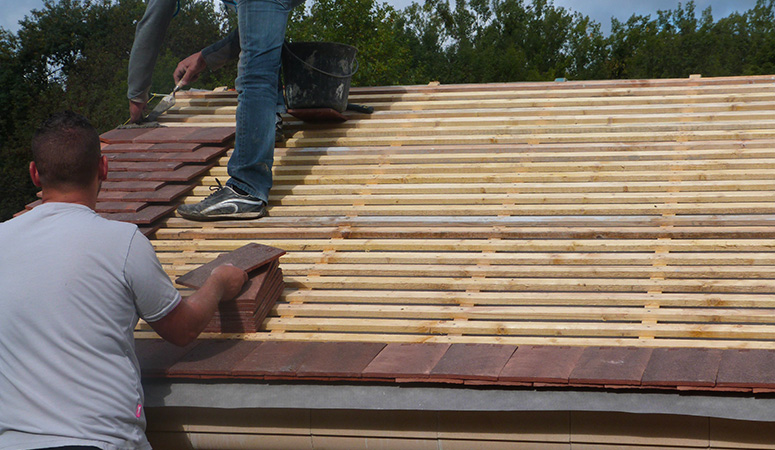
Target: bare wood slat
point(626, 212)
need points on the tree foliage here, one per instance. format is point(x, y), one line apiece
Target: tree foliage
point(73, 54)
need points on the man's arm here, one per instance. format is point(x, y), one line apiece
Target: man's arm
point(184, 323)
point(214, 57)
point(222, 51)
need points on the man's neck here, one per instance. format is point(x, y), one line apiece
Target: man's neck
point(80, 197)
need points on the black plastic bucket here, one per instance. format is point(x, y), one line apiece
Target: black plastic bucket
point(318, 74)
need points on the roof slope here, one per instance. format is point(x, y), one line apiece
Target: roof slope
point(610, 221)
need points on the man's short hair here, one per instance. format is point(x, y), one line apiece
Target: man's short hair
point(66, 151)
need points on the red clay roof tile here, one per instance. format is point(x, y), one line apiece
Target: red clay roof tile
point(339, 359)
point(210, 135)
point(248, 258)
point(747, 368)
point(119, 207)
point(132, 186)
point(212, 358)
point(682, 367)
point(200, 155)
point(145, 216)
point(281, 358)
point(175, 146)
point(165, 134)
point(128, 147)
point(611, 366)
point(182, 174)
point(402, 360)
point(164, 194)
point(120, 136)
point(541, 364)
point(473, 361)
point(143, 166)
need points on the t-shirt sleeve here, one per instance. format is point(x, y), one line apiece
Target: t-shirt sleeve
point(155, 295)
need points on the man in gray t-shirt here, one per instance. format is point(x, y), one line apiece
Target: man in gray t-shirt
point(72, 288)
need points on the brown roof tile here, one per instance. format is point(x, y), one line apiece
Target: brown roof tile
point(128, 147)
point(541, 364)
point(182, 174)
point(248, 258)
point(339, 359)
point(211, 358)
point(281, 358)
point(144, 166)
point(145, 216)
point(473, 361)
point(119, 207)
point(164, 194)
point(175, 146)
point(200, 155)
point(747, 368)
point(165, 134)
point(682, 367)
point(210, 135)
point(133, 186)
point(121, 136)
point(611, 366)
point(406, 360)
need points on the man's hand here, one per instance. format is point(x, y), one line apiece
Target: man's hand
point(136, 110)
point(184, 323)
point(230, 279)
point(189, 69)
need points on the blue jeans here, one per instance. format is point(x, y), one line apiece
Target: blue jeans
point(262, 32)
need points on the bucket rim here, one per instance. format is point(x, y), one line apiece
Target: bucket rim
point(323, 43)
point(287, 46)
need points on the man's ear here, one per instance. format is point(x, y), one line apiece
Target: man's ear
point(34, 174)
point(103, 172)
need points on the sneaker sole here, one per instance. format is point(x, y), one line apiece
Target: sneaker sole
point(241, 216)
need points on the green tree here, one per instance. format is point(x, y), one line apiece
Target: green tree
point(422, 30)
point(73, 54)
point(758, 56)
point(511, 40)
point(373, 28)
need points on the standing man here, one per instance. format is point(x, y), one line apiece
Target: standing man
point(73, 286)
point(261, 34)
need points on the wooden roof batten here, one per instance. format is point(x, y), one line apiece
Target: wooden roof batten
point(619, 213)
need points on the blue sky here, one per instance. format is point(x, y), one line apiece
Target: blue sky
point(599, 10)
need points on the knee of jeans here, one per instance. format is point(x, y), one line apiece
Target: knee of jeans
point(258, 79)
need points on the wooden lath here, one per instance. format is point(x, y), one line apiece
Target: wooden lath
point(579, 213)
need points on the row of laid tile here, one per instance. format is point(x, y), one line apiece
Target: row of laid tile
point(151, 169)
point(480, 364)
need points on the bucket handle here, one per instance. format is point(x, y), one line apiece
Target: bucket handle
point(357, 64)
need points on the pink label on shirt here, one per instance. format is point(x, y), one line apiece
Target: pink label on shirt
point(139, 410)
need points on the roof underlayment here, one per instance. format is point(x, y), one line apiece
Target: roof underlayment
point(364, 397)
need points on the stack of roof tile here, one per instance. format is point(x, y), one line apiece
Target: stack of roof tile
point(247, 312)
point(151, 168)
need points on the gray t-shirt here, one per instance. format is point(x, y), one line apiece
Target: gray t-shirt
point(72, 287)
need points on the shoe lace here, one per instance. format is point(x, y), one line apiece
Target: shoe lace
point(215, 189)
